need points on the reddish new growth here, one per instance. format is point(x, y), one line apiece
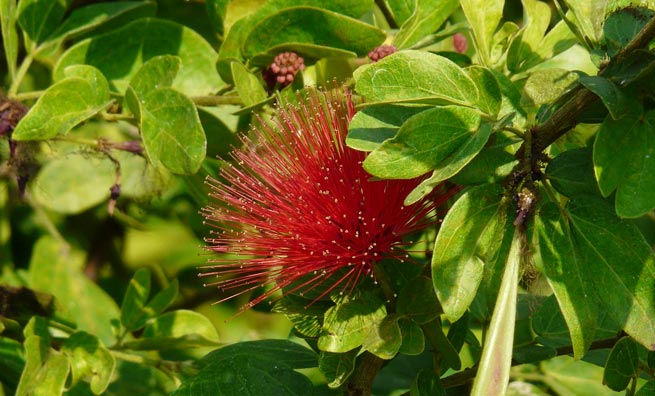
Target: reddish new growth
point(460, 43)
point(283, 70)
point(297, 206)
point(381, 52)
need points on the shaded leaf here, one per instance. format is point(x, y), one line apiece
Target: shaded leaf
point(90, 360)
point(442, 138)
point(623, 265)
point(427, 384)
point(545, 86)
point(74, 183)
point(39, 18)
point(374, 124)
point(536, 18)
point(85, 19)
point(337, 367)
point(252, 368)
point(572, 173)
point(618, 104)
point(624, 159)
point(347, 324)
point(120, 53)
point(413, 338)
point(470, 234)
point(566, 269)
point(56, 268)
point(418, 301)
point(134, 300)
point(306, 316)
point(622, 364)
point(385, 339)
point(491, 165)
point(180, 323)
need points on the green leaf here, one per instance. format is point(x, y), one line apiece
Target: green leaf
point(571, 377)
point(491, 165)
point(250, 89)
point(496, 359)
point(590, 16)
point(74, 183)
point(415, 77)
point(470, 234)
point(157, 72)
point(347, 324)
point(427, 384)
point(618, 104)
point(306, 316)
point(9, 35)
point(545, 86)
point(572, 173)
point(170, 125)
point(647, 389)
point(120, 53)
point(533, 353)
point(413, 338)
point(483, 17)
point(624, 159)
point(623, 265)
point(489, 96)
point(565, 269)
point(448, 355)
point(559, 39)
point(401, 9)
point(337, 367)
point(312, 26)
point(374, 124)
point(385, 339)
point(39, 18)
point(90, 17)
point(90, 360)
point(426, 18)
point(536, 18)
point(623, 25)
point(80, 96)
point(622, 364)
point(56, 268)
point(443, 139)
point(12, 357)
point(418, 301)
point(252, 368)
point(216, 11)
point(180, 323)
point(134, 300)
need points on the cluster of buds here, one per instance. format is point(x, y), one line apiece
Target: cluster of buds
point(283, 70)
point(381, 52)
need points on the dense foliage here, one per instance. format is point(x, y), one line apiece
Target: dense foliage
point(520, 135)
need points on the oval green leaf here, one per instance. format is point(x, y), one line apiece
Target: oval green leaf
point(314, 26)
point(90, 360)
point(442, 138)
point(74, 183)
point(81, 95)
point(120, 53)
point(470, 234)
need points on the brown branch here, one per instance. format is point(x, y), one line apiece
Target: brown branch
point(565, 118)
point(361, 381)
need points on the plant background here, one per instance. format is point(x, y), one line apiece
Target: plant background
point(100, 294)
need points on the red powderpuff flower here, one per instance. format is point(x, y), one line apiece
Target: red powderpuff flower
point(297, 206)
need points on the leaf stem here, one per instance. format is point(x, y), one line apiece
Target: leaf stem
point(20, 74)
point(28, 95)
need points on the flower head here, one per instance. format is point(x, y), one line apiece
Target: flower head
point(296, 209)
point(283, 70)
point(381, 52)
